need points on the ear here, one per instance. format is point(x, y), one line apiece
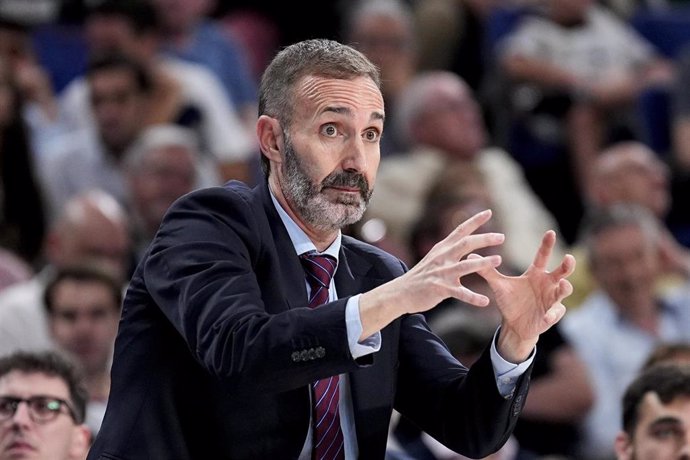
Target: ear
point(270, 135)
point(623, 446)
point(81, 442)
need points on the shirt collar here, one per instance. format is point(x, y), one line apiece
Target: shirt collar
point(300, 240)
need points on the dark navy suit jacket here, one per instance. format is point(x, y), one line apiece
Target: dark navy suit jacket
point(217, 347)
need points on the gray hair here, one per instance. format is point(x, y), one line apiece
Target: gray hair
point(160, 136)
point(414, 101)
point(618, 215)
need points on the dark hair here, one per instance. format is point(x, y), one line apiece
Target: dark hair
point(666, 352)
point(667, 380)
point(317, 57)
point(82, 273)
point(53, 364)
point(118, 61)
point(140, 14)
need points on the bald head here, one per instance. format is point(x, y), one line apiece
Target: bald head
point(439, 110)
point(630, 172)
point(93, 228)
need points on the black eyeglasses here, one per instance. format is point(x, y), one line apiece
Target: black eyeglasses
point(42, 409)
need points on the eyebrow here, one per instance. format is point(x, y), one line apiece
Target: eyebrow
point(347, 111)
point(666, 420)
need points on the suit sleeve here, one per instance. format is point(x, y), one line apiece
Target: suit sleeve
point(210, 272)
point(460, 407)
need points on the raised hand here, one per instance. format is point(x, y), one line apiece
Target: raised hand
point(435, 278)
point(530, 303)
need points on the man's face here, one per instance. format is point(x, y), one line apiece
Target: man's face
point(166, 174)
point(662, 432)
point(99, 240)
point(22, 438)
point(640, 177)
point(84, 322)
point(625, 263)
point(329, 159)
point(118, 105)
point(388, 42)
point(451, 120)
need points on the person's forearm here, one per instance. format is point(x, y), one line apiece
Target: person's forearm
point(541, 73)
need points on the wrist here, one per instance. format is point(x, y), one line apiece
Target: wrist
point(512, 347)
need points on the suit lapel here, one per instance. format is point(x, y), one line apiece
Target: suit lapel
point(290, 276)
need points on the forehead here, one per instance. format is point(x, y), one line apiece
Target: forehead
point(652, 407)
point(76, 291)
point(112, 78)
point(359, 96)
point(25, 384)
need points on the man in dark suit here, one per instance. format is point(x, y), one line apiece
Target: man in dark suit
point(219, 343)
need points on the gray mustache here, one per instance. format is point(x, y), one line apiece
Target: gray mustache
point(347, 179)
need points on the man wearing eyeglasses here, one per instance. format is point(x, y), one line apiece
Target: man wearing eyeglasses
point(42, 406)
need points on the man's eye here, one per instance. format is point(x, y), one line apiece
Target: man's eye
point(668, 432)
point(371, 135)
point(329, 130)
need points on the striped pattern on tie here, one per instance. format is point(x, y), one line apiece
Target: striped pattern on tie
point(328, 436)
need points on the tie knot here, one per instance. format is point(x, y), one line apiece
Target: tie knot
point(319, 268)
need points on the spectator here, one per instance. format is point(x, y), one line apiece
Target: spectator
point(630, 172)
point(589, 67)
point(42, 406)
point(36, 98)
point(93, 228)
point(164, 164)
point(656, 415)
point(621, 322)
point(669, 352)
point(22, 215)
point(121, 94)
point(188, 33)
point(454, 36)
point(440, 120)
point(183, 92)
point(384, 31)
point(83, 309)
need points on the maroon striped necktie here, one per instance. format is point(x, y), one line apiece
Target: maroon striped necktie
point(328, 436)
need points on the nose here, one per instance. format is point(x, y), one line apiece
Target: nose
point(684, 446)
point(355, 158)
point(21, 416)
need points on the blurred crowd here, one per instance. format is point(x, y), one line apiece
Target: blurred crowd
point(572, 115)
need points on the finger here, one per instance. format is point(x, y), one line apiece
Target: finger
point(475, 265)
point(488, 273)
point(470, 225)
point(471, 297)
point(564, 289)
point(547, 243)
point(471, 243)
point(554, 314)
point(566, 268)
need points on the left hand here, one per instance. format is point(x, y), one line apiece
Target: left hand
point(530, 303)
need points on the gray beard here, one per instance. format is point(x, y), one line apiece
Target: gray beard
point(315, 207)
